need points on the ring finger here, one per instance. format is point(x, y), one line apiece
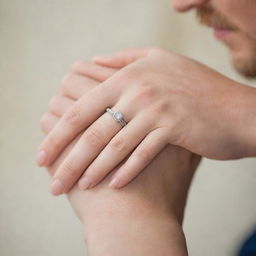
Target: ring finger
point(93, 140)
point(120, 146)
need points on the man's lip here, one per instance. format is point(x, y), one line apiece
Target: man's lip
point(222, 32)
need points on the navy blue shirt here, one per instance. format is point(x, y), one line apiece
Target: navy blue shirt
point(249, 246)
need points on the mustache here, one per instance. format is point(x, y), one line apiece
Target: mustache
point(206, 15)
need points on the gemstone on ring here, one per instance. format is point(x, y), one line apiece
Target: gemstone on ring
point(118, 116)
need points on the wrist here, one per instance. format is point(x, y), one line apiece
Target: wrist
point(146, 215)
point(245, 111)
point(125, 205)
point(118, 233)
point(115, 219)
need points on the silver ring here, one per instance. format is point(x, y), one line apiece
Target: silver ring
point(118, 116)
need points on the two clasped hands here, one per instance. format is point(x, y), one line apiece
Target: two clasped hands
point(165, 98)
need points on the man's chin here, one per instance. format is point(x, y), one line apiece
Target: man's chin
point(243, 53)
point(245, 66)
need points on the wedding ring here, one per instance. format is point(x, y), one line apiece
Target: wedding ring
point(118, 116)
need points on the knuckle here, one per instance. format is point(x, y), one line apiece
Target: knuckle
point(124, 77)
point(129, 74)
point(73, 116)
point(159, 107)
point(145, 93)
point(93, 137)
point(118, 145)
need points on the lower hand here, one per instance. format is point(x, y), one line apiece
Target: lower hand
point(164, 190)
point(154, 201)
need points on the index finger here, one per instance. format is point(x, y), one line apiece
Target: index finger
point(85, 111)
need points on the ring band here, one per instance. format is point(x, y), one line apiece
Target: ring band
point(118, 116)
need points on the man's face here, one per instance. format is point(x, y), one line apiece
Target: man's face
point(233, 22)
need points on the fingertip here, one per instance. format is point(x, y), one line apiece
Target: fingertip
point(84, 183)
point(57, 187)
point(41, 158)
point(115, 183)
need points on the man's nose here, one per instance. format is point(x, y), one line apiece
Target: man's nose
point(186, 5)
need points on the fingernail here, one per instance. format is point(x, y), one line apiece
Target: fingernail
point(113, 183)
point(41, 157)
point(57, 187)
point(84, 183)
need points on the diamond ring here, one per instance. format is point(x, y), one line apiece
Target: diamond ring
point(118, 116)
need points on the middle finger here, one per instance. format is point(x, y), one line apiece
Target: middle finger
point(83, 112)
point(93, 141)
point(86, 150)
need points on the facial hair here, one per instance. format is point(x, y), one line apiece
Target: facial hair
point(246, 66)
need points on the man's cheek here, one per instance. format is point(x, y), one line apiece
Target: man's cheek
point(240, 13)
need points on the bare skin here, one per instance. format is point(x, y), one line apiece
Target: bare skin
point(239, 13)
point(155, 200)
point(163, 95)
point(148, 211)
point(190, 106)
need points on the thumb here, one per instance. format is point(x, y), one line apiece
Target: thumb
point(122, 58)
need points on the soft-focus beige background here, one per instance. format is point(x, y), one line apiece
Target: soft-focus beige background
point(38, 42)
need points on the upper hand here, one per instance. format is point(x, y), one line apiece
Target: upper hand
point(166, 99)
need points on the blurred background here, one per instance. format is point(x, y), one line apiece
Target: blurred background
point(39, 40)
